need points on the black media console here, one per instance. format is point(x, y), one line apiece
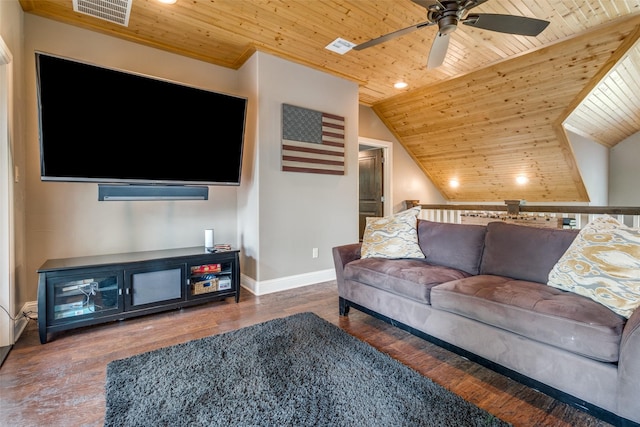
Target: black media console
point(77, 292)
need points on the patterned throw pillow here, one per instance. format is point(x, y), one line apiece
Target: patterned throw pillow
point(395, 236)
point(603, 263)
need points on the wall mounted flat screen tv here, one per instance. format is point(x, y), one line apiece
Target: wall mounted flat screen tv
point(109, 126)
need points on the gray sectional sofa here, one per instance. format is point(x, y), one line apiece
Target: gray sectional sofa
point(481, 291)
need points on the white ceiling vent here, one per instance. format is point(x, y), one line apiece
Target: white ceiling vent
point(116, 11)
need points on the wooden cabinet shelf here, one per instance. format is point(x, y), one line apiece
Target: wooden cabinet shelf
point(77, 292)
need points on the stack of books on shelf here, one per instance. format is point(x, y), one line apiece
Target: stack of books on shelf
point(221, 247)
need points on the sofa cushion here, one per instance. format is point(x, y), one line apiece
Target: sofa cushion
point(522, 252)
point(536, 311)
point(457, 246)
point(393, 236)
point(603, 263)
point(411, 278)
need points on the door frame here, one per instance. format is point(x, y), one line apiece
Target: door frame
point(387, 169)
point(6, 199)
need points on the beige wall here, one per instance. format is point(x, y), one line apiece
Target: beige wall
point(248, 209)
point(296, 212)
point(66, 219)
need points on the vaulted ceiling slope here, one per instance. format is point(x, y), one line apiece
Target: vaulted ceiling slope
point(610, 113)
point(458, 119)
point(489, 127)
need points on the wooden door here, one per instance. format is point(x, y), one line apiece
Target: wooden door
point(370, 169)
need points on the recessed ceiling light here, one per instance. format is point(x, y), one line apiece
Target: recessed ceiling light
point(400, 85)
point(454, 183)
point(522, 179)
point(167, 1)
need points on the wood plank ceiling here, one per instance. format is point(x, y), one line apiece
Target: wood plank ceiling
point(493, 111)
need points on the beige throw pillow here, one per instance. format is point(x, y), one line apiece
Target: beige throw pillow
point(602, 263)
point(395, 236)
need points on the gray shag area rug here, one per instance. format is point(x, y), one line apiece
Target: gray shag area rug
point(295, 371)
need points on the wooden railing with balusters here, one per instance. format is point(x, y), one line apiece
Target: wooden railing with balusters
point(512, 211)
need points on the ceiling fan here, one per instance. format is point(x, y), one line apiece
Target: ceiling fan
point(448, 13)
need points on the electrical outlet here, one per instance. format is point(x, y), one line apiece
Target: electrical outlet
point(314, 253)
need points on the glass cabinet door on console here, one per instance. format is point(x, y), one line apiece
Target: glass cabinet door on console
point(152, 285)
point(83, 295)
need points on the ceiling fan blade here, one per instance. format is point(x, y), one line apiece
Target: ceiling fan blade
point(438, 51)
point(509, 24)
point(392, 35)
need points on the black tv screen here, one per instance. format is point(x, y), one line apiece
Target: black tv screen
point(109, 126)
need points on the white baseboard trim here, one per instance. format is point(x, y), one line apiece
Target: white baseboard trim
point(21, 322)
point(284, 283)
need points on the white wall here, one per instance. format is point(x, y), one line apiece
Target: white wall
point(593, 163)
point(299, 211)
point(66, 219)
point(624, 172)
point(409, 181)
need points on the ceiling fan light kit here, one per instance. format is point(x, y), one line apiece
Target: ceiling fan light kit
point(448, 13)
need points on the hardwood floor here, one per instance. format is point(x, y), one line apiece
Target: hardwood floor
point(61, 383)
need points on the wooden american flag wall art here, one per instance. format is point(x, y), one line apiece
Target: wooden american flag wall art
point(312, 141)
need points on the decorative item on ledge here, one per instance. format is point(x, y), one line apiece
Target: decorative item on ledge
point(530, 220)
point(513, 206)
point(411, 203)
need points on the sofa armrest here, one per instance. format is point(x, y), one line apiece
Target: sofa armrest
point(342, 255)
point(629, 369)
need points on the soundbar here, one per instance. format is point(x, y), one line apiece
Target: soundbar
point(107, 192)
